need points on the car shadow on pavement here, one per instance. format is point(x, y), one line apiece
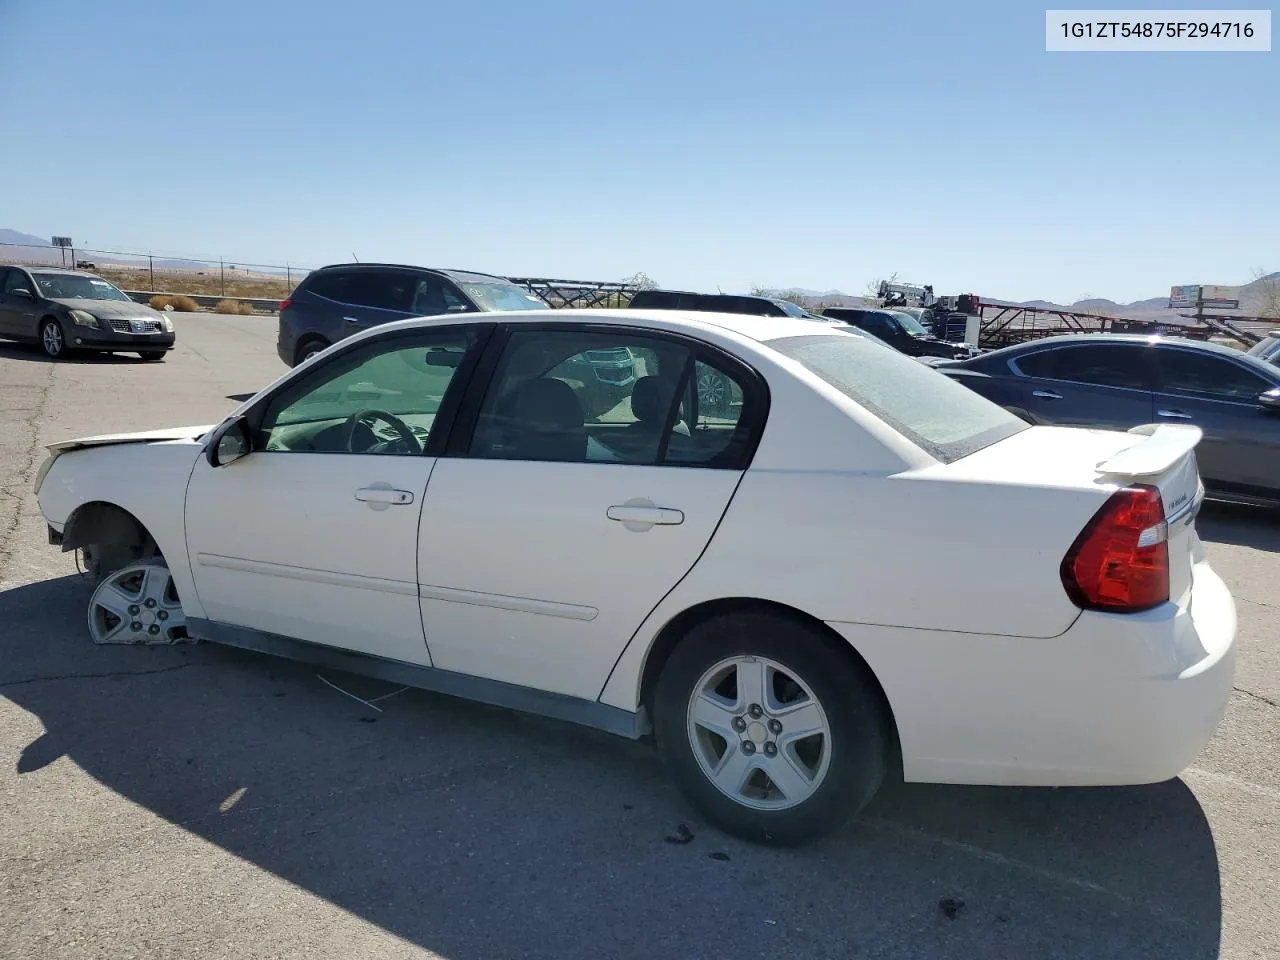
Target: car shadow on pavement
point(477, 833)
point(31, 352)
point(1240, 525)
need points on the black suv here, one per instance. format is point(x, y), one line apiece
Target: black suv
point(336, 301)
point(900, 330)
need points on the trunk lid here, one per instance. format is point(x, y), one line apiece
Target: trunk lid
point(1103, 461)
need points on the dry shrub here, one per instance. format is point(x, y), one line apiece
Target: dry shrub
point(238, 307)
point(185, 304)
point(160, 301)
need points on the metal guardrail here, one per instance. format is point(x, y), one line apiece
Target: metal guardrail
point(269, 304)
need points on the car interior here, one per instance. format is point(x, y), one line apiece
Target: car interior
point(534, 411)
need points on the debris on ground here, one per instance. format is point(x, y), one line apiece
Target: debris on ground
point(683, 835)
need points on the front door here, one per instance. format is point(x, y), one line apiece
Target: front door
point(554, 531)
point(1240, 451)
point(1106, 384)
point(314, 534)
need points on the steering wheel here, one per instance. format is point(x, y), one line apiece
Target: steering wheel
point(398, 425)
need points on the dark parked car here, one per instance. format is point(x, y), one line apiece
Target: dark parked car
point(721, 303)
point(1268, 348)
point(716, 393)
point(901, 331)
point(1119, 381)
point(65, 310)
point(336, 301)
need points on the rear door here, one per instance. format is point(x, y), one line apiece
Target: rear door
point(1104, 384)
point(1240, 451)
point(547, 538)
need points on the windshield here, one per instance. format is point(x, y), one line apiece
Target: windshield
point(942, 417)
point(1266, 347)
point(502, 296)
point(791, 309)
point(70, 286)
point(910, 324)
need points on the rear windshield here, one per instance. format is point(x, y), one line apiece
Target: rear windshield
point(946, 419)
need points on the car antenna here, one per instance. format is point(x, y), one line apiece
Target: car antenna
point(354, 257)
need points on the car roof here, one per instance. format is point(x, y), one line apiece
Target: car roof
point(451, 272)
point(703, 293)
point(37, 268)
point(749, 326)
point(1149, 338)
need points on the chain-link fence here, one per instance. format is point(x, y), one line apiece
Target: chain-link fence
point(154, 273)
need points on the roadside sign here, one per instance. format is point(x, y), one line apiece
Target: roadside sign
point(1220, 297)
point(1187, 296)
point(62, 241)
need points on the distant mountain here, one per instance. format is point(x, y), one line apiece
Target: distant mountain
point(25, 239)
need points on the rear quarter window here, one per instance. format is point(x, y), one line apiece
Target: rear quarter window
point(944, 418)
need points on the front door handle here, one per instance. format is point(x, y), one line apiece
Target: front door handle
point(1174, 414)
point(633, 513)
point(1046, 394)
point(383, 497)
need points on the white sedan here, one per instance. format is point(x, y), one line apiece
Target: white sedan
point(847, 568)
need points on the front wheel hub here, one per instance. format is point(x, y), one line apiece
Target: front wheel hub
point(137, 604)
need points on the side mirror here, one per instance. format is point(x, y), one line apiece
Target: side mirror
point(1270, 401)
point(22, 292)
point(228, 443)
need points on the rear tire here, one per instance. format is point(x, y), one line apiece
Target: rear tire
point(808, 683)
point(151, 355)
point(308, 349)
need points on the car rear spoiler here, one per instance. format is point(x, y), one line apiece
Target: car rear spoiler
point(1166, 444)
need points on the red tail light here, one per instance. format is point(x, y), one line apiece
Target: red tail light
point(1120, 561)
point(284, 303)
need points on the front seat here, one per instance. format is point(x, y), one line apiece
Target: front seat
point(546, 422)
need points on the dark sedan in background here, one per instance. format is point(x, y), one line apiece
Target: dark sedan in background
point(68, 310)
point(1118, 381)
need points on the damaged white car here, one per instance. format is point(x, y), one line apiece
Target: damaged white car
point(847, 568)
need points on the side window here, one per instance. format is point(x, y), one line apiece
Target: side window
point(381, 399)
point(1192, 374)
point(709, 428)
point(382, 289)
point(878, 324)
point(17, 280)
point(428, 298)
point(1114, 365)
point(583, 397)
point(4, 279)
point(331, 286)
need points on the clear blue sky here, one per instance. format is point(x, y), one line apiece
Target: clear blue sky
point(709, 144)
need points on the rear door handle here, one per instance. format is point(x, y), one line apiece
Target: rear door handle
point(1174, 414)
point(383, 496)
point(627, 513)
point(1046, 394)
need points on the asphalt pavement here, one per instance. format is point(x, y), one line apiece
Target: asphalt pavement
point(197, 801)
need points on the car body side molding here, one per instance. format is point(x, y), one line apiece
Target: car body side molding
point(557, 706)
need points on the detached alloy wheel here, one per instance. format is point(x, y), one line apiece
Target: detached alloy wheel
point(52, 340)
point(137, 604)
point(773, 732)
point(713, 391)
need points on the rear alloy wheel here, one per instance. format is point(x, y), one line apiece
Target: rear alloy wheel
point(52, 340)
point(772, 731)
point(309, 350)
point(137, 604)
